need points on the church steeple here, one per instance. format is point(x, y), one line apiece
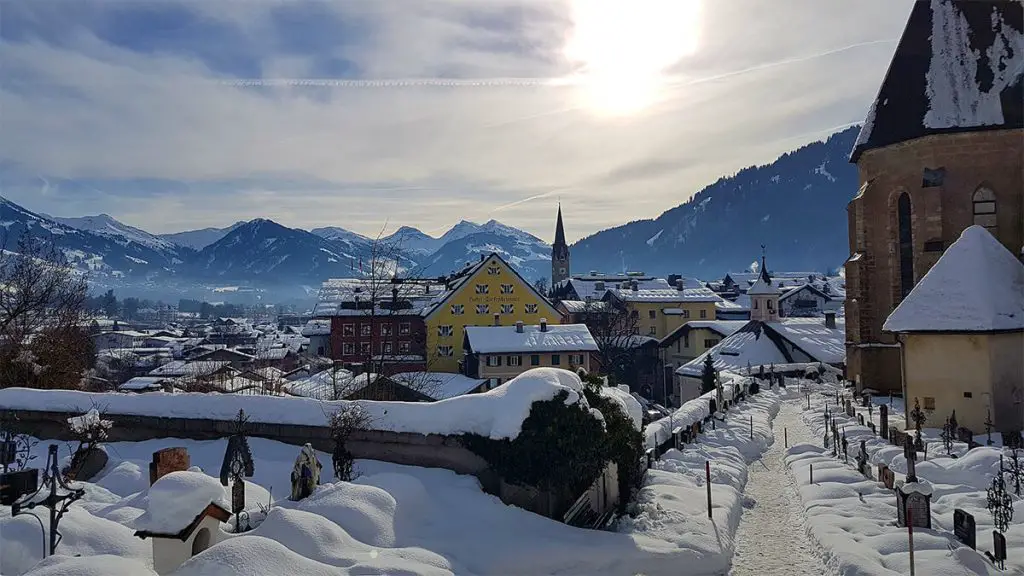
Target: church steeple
point(764, 298)
point(559, 253)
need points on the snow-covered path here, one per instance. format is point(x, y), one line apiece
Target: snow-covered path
point(771, 538)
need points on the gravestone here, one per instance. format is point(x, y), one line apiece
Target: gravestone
point(86, 465)
point(874, 431)
point(919, 505)
point(849, 408)
point(860, 419)
point(883, 421)
point(846, 448)
point(305, 473)
point(865, 400)
point(964, 528)
point(886, 476)
point(862, 460)
point(999, 548)
point(14, 485)
point(166, 461)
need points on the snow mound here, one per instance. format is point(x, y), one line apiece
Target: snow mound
point(104, 565)
point(253, 555)
point(177, 498)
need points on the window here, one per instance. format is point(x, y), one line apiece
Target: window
point(365, 330)
point(348, 330)
point(686, 340)
point(636, 329)
point(514, 360)
point(933, 177)
point(403, 347)
point(652, 330)
point(929, 403)
point(458, 309)
point(556, 359)
point(703, 314)
point(445, 351)
point(506, 288)
point(531, 308)
point(493, 270)
point(906, 245)
point(445, 331)
point(483, 309)
point(508, 308)
point(634, 313)
point(348, 349)
point(985, 209)
point(483, 289)
point(405, 328)
point(755, 304)
point(385, 329)
point(386, 348)
point(535, 360)
point(576, 359)
point(364, 348)
point(771, 306)
point(652, 314)
point(710, 342)
point(686, 313)
point(968, 395)
point(494, 360)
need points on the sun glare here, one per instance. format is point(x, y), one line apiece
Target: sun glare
point(622, 48)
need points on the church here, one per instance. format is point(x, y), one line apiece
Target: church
point(942, 149)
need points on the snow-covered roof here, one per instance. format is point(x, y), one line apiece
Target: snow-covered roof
point(743, 348)
point(278, 353)
point(813, 337)
point(317, 328)
point(977, 285)
point(667, 295)
point(723, 327)
point(438, 385)
point(186, 368)
point(143, 383)
point(597, 286)
point(580, 306)
point(175, 500)
point(762, 286)
point(557, 338)
point(958, 67)
point(728, 306)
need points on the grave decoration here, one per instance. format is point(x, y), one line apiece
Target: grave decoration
point(964, 528)
point(949, 435)
point(862, 460)
point(237, 466)
point(988, 426)
point(59, 499)
point(883, 421)
point(1000, 504)
point(919, 418)
point(913, 495)
point(305, 473)
point(846, 447)
point(1015, 470)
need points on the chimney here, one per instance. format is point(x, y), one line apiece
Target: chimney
point(497, 319)
point(830, 320)
point(482, 257)
point(680, 284)
point(634, 286)
point(394, 295)
point(599, 286)
point(519, 326)
point(543, 324)
point(593, 272)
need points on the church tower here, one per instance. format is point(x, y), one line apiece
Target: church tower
point(764, 298)
point(559, 253)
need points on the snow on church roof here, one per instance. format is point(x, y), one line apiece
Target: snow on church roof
point(958, 67)
point(976, 286)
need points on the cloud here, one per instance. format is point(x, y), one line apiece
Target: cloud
point(425, 113)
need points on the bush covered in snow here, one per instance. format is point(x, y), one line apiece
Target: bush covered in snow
point(562, 448)
point(625, 443)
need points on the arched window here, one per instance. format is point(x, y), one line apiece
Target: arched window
point(985, 209)
point(906, 245)
point(201, 541)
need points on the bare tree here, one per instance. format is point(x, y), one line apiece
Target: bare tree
point(615, 329)
point(42, 304)
point(345, 422)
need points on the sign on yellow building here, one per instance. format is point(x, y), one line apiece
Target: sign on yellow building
point(488, 288)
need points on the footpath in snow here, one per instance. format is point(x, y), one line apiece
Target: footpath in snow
point(853, 518)
point(772, 537)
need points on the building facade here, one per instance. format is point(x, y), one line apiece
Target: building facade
point(942, 149)
point(499, 353)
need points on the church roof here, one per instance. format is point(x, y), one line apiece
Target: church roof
point(958, 67)
point(976, 286)
point(559, 247)
point(763, 285)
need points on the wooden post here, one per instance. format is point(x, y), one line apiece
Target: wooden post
point(785, 435)
point(751, 426)
point(910, 537)
point(707, 475)
point(811, 479)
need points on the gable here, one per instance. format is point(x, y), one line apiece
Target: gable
point(493, 272)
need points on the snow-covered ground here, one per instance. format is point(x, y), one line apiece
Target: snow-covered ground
point(854, 518)
point(404, 520)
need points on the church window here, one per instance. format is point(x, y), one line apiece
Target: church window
point(933, 177)
point(906, 245)
point(985, 209)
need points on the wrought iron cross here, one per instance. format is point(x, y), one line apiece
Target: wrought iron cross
point(58, 501)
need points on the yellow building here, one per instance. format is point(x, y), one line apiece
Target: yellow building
point(961, 333)
point(487, 293)
point(659, 311)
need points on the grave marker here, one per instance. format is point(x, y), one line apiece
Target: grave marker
point(166, 461)
point(964, 528)
point(883, 421)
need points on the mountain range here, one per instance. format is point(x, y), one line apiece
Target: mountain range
point(796, 206)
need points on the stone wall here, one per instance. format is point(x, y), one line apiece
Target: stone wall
point(994, 159)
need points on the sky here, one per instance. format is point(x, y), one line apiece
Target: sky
point(371, 114)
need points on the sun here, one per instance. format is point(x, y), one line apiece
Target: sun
point(621, 49)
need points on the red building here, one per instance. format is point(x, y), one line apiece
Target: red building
point(387, 343)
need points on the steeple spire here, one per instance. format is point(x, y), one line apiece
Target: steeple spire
point(559, 231)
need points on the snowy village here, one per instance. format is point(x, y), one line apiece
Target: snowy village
point(481, 419)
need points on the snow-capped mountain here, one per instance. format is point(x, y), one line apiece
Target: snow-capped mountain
point(413, 241)
point(199, 239)
point(105, 225)
point(104, 255)
point(795, 206)
point(355, 242)
point(530, 255)
point(262, 250)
